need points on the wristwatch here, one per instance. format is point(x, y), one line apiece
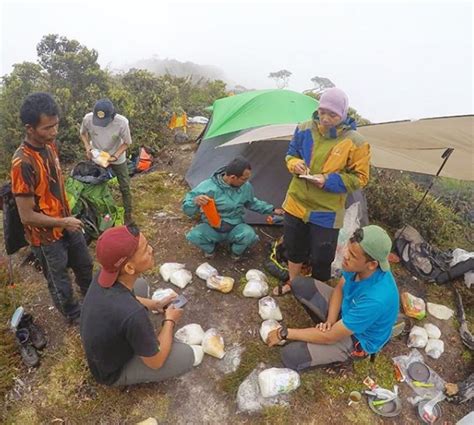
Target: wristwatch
point(283, 332)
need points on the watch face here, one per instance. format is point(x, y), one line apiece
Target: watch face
point(284, 332)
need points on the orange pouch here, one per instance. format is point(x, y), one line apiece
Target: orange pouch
point(211, 213)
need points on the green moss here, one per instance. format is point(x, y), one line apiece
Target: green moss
point(276, 415)
point(467, 356)
point(255, 352)
point(9, 357)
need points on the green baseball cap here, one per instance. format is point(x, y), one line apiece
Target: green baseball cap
point(377, 243)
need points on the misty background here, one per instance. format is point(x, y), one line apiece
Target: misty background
point(402, 60)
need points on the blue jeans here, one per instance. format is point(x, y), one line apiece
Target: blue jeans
point(69, 251)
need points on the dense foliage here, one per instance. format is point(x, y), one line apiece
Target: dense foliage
point(70, 71)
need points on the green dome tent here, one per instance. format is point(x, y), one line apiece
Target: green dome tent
point(239, 114)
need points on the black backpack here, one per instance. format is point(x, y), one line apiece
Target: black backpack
point(13, 231)
point(425, 261)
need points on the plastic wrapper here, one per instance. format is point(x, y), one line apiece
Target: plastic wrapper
point(432, 331)
point(266, 327)
point(418, 337)
point(440, 311)
point(191, 334)
point(254, 274)
point(276, 381)
point(268, 309)
point(403, 362)
point(181, 278)
point(255, 289)
point(351, 224)
point(434, 348)
point(100, 157)
point(413, 306)
point(205, 271)
point(167, 269)
point(220, 283)
point(213, 343)
point(162, 293)
point(198, 354)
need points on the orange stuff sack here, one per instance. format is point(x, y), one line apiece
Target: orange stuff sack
point(144, 160)
point(211, 213)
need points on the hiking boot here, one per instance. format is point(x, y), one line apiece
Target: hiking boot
point(27, 351)
point(37, 335)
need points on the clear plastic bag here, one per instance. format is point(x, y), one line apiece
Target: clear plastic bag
point(351, 224)
point(213, 343)
point(162, 293)
point(418, 337)
point(205, 271)
point(413, 306)
point(223, 284)
point(276, 381)
point(198, 354)
point(266, 327)
point(167, 269)
point(255, 289)
point(191, 334)
point(254, 274)
point(268, 309)
point(434, 348)
point(432, 331)
point(181, 278)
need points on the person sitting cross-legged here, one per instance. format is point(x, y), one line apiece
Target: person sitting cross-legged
point(117, 334)
point(354, 318)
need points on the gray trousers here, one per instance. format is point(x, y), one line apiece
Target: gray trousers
point(314, 296)
point(179, 361)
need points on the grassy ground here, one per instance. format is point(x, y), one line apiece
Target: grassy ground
point(62, 390)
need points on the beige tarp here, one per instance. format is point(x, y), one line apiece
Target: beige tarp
point(404, 145)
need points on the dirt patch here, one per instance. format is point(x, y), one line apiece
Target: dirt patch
point(205, 395)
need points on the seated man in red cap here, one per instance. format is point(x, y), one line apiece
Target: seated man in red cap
point(118, 337)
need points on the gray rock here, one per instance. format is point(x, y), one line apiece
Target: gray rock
point(249, 398)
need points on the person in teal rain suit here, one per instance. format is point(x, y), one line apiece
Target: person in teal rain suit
point(232, 193)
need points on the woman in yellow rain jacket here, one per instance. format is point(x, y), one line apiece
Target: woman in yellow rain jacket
point(328, 160)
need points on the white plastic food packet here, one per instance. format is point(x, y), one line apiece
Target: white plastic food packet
point(418, 337)
point(220, 283)
point(100, 157)
point(434, 348)
point(181, 278)
point(266, 327)
point(432, 331)
point(255, 289)
point(276, 381)
point(167, 269)
point(162, 293)
point(198, 354)
point(213, 343)
point(254, 274)
point(268, 309)
point(205, 271)
point(191, 334)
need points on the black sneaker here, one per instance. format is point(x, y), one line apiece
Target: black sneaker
point(28, 353)
point(37, 335)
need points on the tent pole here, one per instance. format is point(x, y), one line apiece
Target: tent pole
point(446, 154)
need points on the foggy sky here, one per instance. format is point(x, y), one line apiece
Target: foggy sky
point(395, 60)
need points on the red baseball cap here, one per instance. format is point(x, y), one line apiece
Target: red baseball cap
point(114, 247)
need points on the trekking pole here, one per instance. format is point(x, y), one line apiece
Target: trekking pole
point(446, 154)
